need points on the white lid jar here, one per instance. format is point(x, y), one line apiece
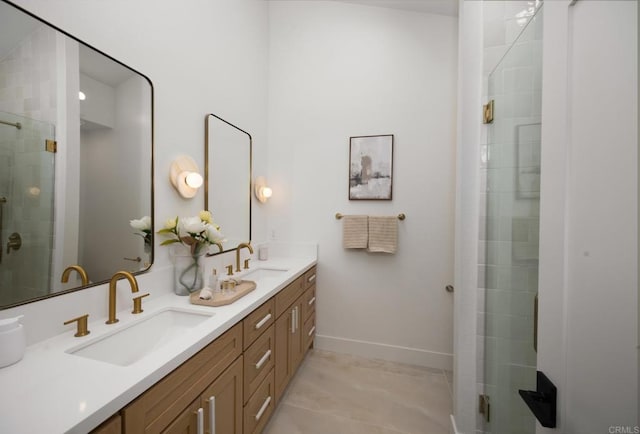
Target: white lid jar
point(13, 341)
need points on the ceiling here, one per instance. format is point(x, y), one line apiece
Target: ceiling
point(438, 7)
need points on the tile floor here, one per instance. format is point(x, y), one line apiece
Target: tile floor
point(341, 394)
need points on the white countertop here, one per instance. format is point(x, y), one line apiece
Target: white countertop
point(55, 392)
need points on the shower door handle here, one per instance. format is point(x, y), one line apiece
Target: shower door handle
point(15, 242)
point(3, 200)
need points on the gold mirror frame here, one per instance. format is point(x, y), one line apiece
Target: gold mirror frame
point(208, 180)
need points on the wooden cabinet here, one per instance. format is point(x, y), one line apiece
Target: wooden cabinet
point(223, 399)
point(258, 362)
point(113, 425)
point(158, 407)
point(291, 340)
point(260, 406)
point(186, 422)
point(233, 385)
point(258, 321)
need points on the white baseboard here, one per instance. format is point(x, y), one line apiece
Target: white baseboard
point(392, 353)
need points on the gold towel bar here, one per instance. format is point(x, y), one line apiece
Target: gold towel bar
point(401, 216)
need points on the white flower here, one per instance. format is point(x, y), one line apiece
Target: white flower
point(213, 234)
point(192, 225)
point(171, 223)
point(143, 224)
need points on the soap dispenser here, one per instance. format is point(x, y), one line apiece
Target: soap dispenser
point(12, 341)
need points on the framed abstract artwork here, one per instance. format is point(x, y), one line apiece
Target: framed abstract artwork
point(371, 167)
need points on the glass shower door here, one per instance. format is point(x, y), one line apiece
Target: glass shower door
point(26, 208)
point(512, 233)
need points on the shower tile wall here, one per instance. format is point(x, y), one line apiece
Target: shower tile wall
point(26, 180)
point(28, 77)
point(508, 247)
point(28, 94)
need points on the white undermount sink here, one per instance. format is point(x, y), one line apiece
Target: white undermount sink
point(142, 338)
point(264, 273)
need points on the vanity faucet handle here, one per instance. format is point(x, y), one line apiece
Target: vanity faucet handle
point(246, 263)
point(229, 270)
point(81, 329)
point(137, 303)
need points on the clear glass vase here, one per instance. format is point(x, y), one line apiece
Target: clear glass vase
point(188, 270)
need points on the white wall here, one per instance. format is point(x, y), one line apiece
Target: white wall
point(340, 70)
point(467, 344)
point(207, 57)
point(588, 275)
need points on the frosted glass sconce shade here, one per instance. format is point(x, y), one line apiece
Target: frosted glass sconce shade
point(185, 176)
point(262, 191)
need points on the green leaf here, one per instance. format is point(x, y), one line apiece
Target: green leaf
point(167, 242)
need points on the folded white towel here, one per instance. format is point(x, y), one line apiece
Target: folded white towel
point(206, 294)
point(383, 234)
point(354, 231)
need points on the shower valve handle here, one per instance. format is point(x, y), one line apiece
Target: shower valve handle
point(15, 242)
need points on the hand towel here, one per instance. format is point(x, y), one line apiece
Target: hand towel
point(383, 234)
point(354, 231)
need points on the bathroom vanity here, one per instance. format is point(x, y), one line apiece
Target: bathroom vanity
point(234, 365)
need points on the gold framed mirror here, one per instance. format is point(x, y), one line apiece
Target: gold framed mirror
point(227, 179)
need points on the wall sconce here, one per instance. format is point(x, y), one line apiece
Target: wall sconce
point(185, 176)
point(261, 190)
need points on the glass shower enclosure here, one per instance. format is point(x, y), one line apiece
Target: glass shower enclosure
point(512, 233)
point(26, 208)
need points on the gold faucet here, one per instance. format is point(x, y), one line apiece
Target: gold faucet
point(112, 292)
point(240, 247)
point(83, 274)
point(220, 247)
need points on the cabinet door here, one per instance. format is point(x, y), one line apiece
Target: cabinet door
point(295, 349)
point(224, 398)
point(283, 366)
point(289, 342)
point(186, 422)
point(111, 426)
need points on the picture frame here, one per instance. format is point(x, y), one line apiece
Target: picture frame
point(371, 167)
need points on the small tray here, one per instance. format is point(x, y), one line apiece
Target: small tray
point(220, 299)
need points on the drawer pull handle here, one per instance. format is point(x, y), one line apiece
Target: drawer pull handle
point(293, 320)
point(313, 329)
point(212, 415)
point(311, 278)
point(263, 359)
point(263, 321)
point(200, 421)
point(263, 408)
point(313, 300)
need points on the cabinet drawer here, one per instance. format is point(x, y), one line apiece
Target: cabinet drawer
point(309, 277)
point(308, 302)
point(258, 362)
point(309, 332)
point(288, 295)
point(258, 321)
point(163, 402)
point(260, 407)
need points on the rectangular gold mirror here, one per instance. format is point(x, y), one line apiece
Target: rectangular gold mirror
point(228, 179)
